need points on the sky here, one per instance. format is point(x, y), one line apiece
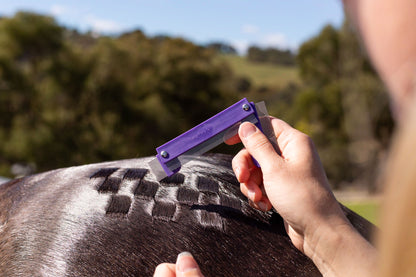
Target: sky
point(265, 23)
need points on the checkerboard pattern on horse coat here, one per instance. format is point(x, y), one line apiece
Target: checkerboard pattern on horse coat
point(115, 219)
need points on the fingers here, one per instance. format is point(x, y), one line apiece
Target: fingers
point(258, 146)
point(165, 270)
point(279, 125)
point(186, 266)
point(262, 205)
point(242, 165)
point(252, 187)
point(248, 175)
point(286, 135)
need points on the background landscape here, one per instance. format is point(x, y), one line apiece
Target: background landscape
point(69, 97)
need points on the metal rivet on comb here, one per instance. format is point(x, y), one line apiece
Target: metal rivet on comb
point(246, 107)
point(164, 154)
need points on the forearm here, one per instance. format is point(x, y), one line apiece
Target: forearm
point(339, 250)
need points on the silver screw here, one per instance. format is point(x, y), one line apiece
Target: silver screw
point(246, 107)
point(164, 154)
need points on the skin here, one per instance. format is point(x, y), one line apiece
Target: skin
point(185, 266)
point(294, 183)
point(386, 29)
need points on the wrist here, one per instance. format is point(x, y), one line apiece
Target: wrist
point(322, 245)
point(336, 248)
point(326, 221)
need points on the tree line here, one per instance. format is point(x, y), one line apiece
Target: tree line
point(256, 54)
point(69, 98)
point(271, 55)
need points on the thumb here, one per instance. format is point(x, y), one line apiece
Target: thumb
point(258, 146)
point(186, 266)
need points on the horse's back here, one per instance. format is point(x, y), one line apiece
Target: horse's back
point(115, 219)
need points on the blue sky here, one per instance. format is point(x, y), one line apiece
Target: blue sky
point(278, 23)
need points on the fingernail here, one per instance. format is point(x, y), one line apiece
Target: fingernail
point(262, 206)
point(185, 262)
point(247, 129)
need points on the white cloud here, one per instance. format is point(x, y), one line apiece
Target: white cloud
point(57, 10)
point(249, 29)
point(278, 40)
point(99, 25)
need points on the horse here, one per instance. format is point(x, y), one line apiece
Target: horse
point(116, 219)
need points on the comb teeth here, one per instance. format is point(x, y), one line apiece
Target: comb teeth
point(157, 169)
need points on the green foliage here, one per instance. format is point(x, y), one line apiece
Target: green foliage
point(342, 105)
point(222, 48)
point(28, 36)
point(318, 58)
point(68, 98)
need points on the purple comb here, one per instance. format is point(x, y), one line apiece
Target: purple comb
point(205, 136)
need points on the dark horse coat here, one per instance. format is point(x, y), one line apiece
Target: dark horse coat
point(114, 219)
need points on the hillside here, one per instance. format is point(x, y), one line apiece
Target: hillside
point(260, 75)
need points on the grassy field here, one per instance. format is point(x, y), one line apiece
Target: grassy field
point(273, 76)
point(367, 209)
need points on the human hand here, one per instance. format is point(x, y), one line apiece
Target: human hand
point(294, 183)
point(185, 266)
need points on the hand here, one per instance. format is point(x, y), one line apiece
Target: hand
point(185, 266)
point(294, 182)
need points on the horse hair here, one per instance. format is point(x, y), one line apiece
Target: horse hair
point(115, 219)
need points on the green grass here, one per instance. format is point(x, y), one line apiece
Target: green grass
point(367, 209)
point(274, 76)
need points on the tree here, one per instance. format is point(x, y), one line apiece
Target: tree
point(68, 98)
point(222, 48)
point(340, 105)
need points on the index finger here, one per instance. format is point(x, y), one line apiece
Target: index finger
point(234, 139)
point(284, 134)
point(279, 126)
